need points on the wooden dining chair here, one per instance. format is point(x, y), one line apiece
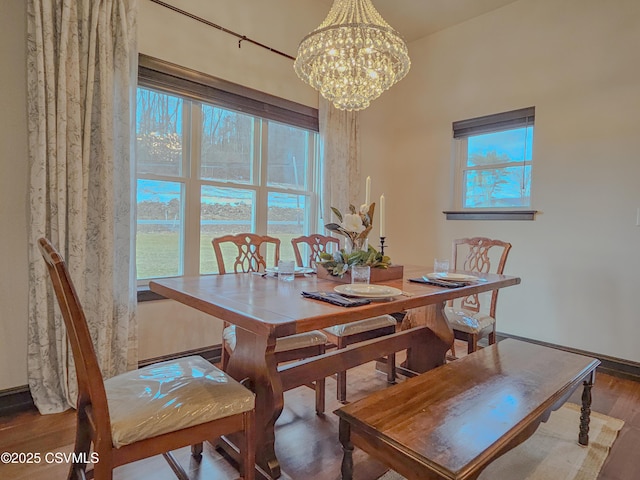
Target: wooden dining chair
point(248, 252)
point(349, 333)
point(468, 321)
point(149, 411)
point(316, 244)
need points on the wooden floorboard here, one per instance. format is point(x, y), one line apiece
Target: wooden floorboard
point(307, 445)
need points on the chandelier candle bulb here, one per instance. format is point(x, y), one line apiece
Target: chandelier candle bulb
point(382, 225)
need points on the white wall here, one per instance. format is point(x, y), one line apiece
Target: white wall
point(280, 24)
point(13, 195)
point(576, 62)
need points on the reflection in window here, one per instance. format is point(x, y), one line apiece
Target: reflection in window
point(158, 133)
point(227, 145)
point(288, 154)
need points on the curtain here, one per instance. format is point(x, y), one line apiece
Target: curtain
point(340, 151)
point(81, 67)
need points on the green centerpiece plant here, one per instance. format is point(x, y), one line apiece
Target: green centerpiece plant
point(355, 227)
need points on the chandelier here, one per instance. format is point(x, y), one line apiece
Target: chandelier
point(353, 56)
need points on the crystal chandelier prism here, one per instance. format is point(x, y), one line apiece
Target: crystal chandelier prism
point(353, 56)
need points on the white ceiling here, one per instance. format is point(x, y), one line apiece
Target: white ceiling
point(414, 19)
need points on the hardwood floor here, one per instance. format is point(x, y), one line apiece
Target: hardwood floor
point(307, 445)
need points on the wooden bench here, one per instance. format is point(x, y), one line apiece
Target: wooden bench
point(451, 422)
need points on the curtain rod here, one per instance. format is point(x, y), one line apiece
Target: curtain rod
point(243, 38)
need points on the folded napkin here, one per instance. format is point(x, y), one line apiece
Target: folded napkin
point(336, 299)
point(440, 283)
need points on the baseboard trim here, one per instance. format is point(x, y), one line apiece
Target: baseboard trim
point(609, 365)
point(212, 354)
point(18, 399)
point(15, 400)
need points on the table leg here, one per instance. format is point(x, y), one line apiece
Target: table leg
point(437, 343)
point(254, 358)
point(344, 434)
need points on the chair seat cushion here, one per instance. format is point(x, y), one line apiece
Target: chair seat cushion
point(169, 396)
point(467, 320)
point(362, 325)
point(283, 344)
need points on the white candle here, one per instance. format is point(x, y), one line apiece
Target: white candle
point(367, 192)
point(382, 215)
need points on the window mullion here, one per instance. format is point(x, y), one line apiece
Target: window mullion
point(261, 168)
point(192, 207)
point(312, 175)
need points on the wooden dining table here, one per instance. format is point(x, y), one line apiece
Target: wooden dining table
point(265, 309)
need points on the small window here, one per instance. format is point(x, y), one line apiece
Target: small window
point(493, 160)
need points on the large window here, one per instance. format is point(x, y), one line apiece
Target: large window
point(493, 160)
point(206, 170)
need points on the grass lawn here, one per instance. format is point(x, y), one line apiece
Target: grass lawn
point(158, 254)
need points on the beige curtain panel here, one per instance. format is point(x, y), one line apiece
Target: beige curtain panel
point(81, 66)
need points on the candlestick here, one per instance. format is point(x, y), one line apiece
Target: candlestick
point(382, 225)
point(367, 192)
point(382, 245)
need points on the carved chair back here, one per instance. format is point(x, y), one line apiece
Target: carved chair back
point(480, 255)
point(317, 244)
point(251, 254)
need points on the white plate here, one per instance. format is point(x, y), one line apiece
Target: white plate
point(452, 277)
point(297, 270)
point(367, 290)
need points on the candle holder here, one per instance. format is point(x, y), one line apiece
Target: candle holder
point(382, 245)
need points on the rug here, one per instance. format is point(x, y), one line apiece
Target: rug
point(553, 451)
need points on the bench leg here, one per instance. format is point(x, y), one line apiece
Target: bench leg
point(341, 392)
point(391, 368)
point(319, 386)
point(585, 411)
point(344, 434)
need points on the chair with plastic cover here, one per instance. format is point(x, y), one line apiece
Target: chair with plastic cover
point(150, 411)
point(469, 321)
point(349, 333)
point(248, 251)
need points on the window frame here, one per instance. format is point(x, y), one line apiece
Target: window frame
point(464, 129)
point(198, 89)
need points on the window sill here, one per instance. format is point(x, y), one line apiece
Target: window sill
point(491, 215)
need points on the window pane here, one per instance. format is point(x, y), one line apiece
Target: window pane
point(500, 147)
point(160, 227)
point(158, 133)
point(227, 145)
point(287, 217)
point(498, 187)
point(288, 153)
point(223, 211)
